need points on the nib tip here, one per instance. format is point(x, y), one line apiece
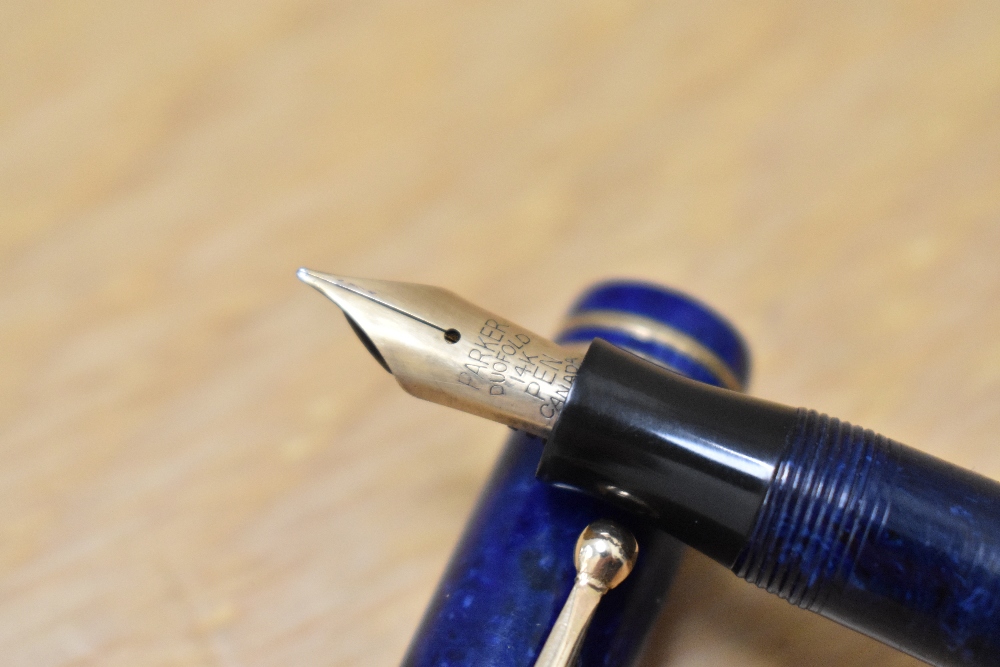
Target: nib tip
point(313, 278)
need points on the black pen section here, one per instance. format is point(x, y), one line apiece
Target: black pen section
point(696, 459)
point(836, 519)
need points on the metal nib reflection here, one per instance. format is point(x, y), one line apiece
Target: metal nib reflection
point(444, 349)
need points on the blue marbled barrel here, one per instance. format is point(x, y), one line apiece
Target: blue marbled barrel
point(513, 567)
point(885, 539)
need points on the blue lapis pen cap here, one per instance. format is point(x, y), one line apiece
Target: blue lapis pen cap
point(664, 326)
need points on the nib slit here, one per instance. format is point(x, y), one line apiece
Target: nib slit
point(307, 276)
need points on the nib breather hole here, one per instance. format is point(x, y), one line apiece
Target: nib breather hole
point(452, 335)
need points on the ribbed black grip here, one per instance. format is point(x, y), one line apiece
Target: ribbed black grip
point(892, 542)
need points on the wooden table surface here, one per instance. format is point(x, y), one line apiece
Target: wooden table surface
point(199, 465)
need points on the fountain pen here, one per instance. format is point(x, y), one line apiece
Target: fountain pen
point(880, 537)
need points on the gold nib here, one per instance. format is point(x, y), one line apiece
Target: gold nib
point(444, 349)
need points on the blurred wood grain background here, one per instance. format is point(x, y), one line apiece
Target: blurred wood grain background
point(199, 465)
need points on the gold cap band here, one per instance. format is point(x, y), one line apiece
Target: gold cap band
point(649, 330)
